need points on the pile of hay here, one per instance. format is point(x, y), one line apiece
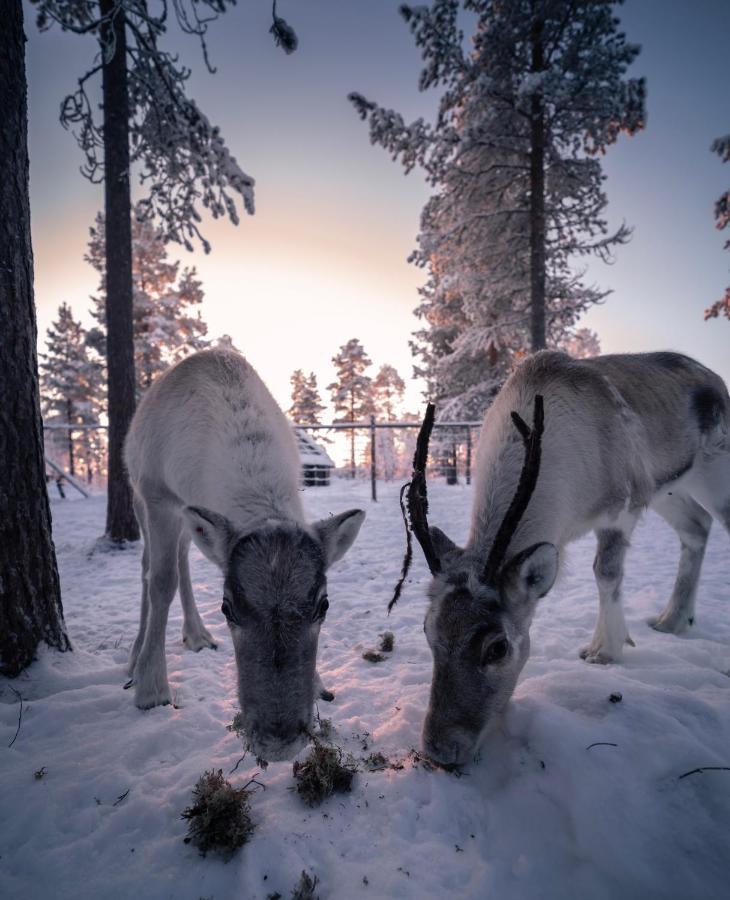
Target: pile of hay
point(323, 773)
point(219, 818)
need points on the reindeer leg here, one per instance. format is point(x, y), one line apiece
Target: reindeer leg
point(692, 523)
point(139, 511)
point(194, 634)
point(150, 674)
point(611, 633)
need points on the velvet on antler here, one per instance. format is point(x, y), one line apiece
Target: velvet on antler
point(532, 438)
point(414, 507)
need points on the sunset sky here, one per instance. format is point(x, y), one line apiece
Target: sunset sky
point(324, 258)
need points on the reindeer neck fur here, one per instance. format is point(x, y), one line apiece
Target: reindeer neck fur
point(608, 443)
point(218, 440)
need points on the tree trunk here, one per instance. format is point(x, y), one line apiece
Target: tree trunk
point(30, 594)
point(352, 437)
point(121, 524)
point(69, 419)
point(537, 200)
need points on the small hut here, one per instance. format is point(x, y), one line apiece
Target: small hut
point(316, 464)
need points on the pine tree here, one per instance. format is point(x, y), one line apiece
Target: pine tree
point(388, 390)
point(306, 406)
point(581, 343)
point(30, 592)
point(352, 391)
point(70, 383)
point(722, 219)
point(166, 326)
point(513, 156)
point(148, 121)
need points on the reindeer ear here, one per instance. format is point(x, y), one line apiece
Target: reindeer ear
point(211, 532)
point(442, 543)
point(338, 533)
point(531, 573)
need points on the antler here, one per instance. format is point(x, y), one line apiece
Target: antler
point(417, 505)
point(525, 488)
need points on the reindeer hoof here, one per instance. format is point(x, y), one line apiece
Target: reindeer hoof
point(198, 641)
point(596, 656)
point(324, 694)
point(671, 623)
point(148, 699)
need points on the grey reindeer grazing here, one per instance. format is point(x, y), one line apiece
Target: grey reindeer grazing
point(211, 457)
point(610, 436)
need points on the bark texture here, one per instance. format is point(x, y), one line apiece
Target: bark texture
point(537, 200)
point(30, 596)
point(121, 524)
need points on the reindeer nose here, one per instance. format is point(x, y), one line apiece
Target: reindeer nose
point(279, 731)
point(283, 733)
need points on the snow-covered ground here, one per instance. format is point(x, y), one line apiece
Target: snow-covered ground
point(539, 816)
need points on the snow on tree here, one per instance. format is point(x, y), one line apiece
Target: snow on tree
point(71, 384)
point(388, 390)
point(306, 403)
point(581, 343)
point(407, 444)
point(181, 157)
point(149, 123)
point(167, 325)
point(513, 157)
point(721, 146)
point(351, 392)
point(30, 592)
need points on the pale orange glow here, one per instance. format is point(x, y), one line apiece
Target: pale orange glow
point(288, 295)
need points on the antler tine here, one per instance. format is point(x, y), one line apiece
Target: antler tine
point(525, 488)
point(417, 505)
point(418, 493)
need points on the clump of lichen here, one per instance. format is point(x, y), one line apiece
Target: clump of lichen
point(324, 772)
point(325, 729)
point(219, 817)
point(376, 761)
point(236, 727)
point(387, 640)
point(304, 888)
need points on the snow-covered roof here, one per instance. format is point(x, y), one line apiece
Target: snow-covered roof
point(310, 452)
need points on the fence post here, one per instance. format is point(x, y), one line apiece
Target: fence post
point(373, 483)
point(468, 455)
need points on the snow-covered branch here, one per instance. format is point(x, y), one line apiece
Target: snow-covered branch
point(180, 156)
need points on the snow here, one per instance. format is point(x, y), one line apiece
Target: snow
point(538, 816)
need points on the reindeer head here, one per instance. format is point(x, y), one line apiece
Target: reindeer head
point(275, 600)
point(478, 621)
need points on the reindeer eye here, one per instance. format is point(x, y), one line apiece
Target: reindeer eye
point(495, 652)
point(234, 609)
point(321, 609)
